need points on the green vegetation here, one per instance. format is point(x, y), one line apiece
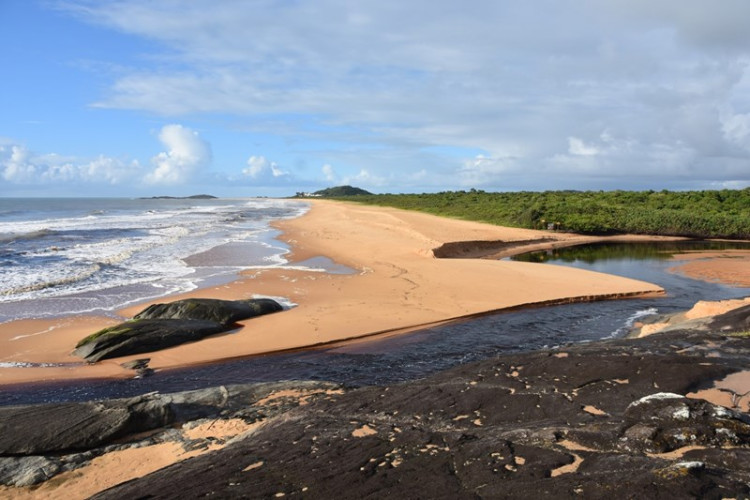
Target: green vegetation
point(336, 192)
point(112, 330)
point(697, 214)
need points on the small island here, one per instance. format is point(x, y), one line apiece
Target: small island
point(193, 197)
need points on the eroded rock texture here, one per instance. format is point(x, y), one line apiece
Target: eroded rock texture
point(594, 420)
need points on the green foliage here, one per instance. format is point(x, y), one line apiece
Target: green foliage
point(696, 214)
point(339, 192)
point(112, 330)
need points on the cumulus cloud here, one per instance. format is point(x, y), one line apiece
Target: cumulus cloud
point(18, 165)
point(260, 168)
point(365, 178)
point(186, 153)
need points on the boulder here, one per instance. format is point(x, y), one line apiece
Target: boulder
point(144, 335)
point(225, 312)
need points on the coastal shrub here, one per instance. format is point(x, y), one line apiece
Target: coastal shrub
point(695, 214)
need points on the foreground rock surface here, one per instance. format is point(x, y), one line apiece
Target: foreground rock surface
point(160, 326)
point(594, 420)
point(606, 419)
point(37, 442)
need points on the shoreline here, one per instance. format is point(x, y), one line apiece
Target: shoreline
point(392, 291)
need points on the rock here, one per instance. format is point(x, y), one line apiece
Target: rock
point(136, 364)
point(140, 366)
point(736, 320)
point(663, 422)
point(165, 325)
point(53, 428)
point(511, 427)
point(138, 336)
point(27, 471)
point(225, 312)
point(41, 429)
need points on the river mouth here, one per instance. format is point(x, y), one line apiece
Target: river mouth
point(385, 361)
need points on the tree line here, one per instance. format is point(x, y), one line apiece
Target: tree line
point(697, 214)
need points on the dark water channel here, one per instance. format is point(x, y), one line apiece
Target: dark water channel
point(421, 353)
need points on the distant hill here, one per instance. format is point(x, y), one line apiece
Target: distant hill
point(335, 192)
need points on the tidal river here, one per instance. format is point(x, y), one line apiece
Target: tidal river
point(418, 354)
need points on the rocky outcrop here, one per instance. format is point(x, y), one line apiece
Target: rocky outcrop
point(166, 325)
point(39, 441)
point(144, 335)
point(592, 420)
point(224, 312)
point(596, 420)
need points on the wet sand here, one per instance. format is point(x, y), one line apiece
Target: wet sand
point(730, 267)
point(397, 284)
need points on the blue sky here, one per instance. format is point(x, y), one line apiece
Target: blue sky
point(270, 97)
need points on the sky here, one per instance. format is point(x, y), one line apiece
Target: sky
point(274, 97)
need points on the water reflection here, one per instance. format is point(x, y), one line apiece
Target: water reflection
point(661, 250)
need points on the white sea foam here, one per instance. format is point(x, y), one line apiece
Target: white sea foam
point(129, 250)
point(285, 302)
point(630, 321)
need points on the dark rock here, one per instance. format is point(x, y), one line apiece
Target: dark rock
point(664, 422)
point(136, 364)
point(165, 325)
point(53, 428)
point(27, 471)
point(737, 320)
point(578, 422)
point(225, 312)
point(138, 336)
point(40, 429)
point(38, 441)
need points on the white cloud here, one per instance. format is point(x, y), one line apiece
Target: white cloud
point(329, 173)
point(186, 153)
point(534, 92)
point(365, 178)
point(577, 147)
point(260, 168)
point(736, 129)
point(18, 165)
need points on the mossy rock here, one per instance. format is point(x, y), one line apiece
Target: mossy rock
point(225, 312)
point(122, 328)
point(139, 336)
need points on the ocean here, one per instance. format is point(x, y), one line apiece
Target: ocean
point(97, 255)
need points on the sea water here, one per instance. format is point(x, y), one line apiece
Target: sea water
point(97, 255)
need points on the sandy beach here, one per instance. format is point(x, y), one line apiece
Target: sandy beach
point(731, 267)
point(396, 284)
